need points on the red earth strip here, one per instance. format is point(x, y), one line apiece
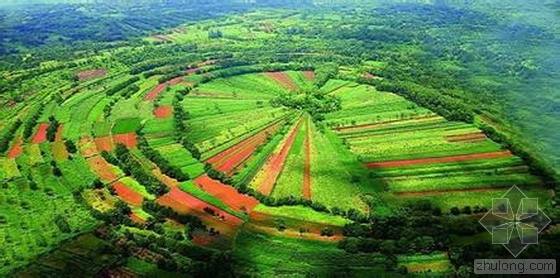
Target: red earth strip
point(251, 142)
point(456, 158)
point(16, 149)
point(87, 147)
point(275, 163)
point(310, 75)
point(128, 195)
point(233, 139)
point(307, 165)
point(161, 87)
point(469, 137)
point(163, 111)
point(226, 194)
point(41, 134)
point(282, 79)
point(104, 143)
point(102, 168)
point(127, 139)
point(134, 217)
point(183, 202)
point(91, 74)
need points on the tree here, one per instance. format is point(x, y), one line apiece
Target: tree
point(455, 211)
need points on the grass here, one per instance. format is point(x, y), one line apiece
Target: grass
point(297, 257)
point(126, 126)
point(134, 185)
point(303, 214)
point(436, 262)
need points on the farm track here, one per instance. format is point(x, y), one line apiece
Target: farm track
point(276, 161)
point(456, 158)
point(307, 164)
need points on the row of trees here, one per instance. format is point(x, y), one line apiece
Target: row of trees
point(52, 129)
point(32, 121)
point(121, 86)
point(165, 166)
point(179, 118)
point(131, 167)
point(9, 135)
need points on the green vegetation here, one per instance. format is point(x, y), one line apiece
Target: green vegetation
point(136, 137)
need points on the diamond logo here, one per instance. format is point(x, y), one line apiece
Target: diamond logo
point(515, 229)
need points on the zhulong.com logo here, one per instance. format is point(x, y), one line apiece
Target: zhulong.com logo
point(515, 230)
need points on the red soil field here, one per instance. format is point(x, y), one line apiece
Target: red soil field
point(367, 126)
point(282, 79)
point(102, 168)
point(41, 134)
point(226, 194)
point(274, 165)
point(137, 219)
point(161, 38)
point(87, 147)
point(16, 149)
point(161, 87)
point(12, 103)
point(155, 92)
point(128, 195)
point(466, 138)
point(104, 143)
point(227, 160)
point(128, 139)
point(91, 74)
point(369, 76)
point(183, 202)
point(307, 165)
point(310, 75)
point(163, 111)
point(455, 158)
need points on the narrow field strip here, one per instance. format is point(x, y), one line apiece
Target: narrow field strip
point(456, 158)
point(127, 194)
point(387, 123)
point(161, 87)
point(447, 191)
point(227, 194)
point(282, 79)
point(273, 166)
point(466, 138)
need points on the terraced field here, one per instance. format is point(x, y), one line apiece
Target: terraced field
point(238, 155)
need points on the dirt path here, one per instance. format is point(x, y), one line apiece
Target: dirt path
point(456, 158)
point(307, 165)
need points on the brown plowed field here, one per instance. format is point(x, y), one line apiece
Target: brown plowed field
point(455, 158)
